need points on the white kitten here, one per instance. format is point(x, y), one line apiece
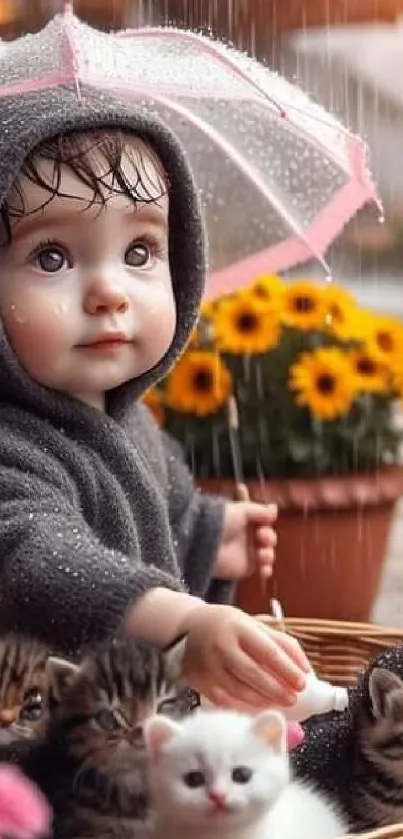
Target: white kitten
point(221, 773)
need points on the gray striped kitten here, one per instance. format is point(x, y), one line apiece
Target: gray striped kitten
point(25, 686)
point(376, 785)
point(91, 764)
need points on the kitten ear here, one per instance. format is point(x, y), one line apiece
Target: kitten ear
point(62, 673)
point(158, 731)
point(270, 728)
point(381, 684)
point(173, 660)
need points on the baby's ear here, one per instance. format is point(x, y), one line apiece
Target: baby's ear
point(158, 731)
point(382, 683)
point(270, 727)
point(62, 673)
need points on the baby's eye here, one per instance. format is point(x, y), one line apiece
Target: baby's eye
point(32, 708)
point(51, 259)
point(137, 255)
point(107, 720)
point(194, 779)
point(241, 774)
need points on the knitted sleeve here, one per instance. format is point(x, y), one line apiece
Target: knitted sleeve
point(197, 524)
point(57, 580)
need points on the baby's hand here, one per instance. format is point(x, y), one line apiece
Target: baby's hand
point(248, 540)
point(235, 662)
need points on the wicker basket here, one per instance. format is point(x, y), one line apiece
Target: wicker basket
point(338, 651)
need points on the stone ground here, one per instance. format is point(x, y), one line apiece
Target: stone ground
point(388, 608)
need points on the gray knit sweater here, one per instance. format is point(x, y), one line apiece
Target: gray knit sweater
point(96, 509)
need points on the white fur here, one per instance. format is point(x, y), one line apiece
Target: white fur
point(269, 806)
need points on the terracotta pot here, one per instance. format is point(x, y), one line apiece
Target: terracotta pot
point(332, 537)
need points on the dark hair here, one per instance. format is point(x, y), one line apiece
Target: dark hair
point(84, 153)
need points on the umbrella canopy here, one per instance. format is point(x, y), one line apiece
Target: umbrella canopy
point(279, 177)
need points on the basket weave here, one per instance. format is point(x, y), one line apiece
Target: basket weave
point(338, 650)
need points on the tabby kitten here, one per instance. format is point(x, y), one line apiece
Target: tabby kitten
point(92, 761)
point(25, 682)
point(376, 785)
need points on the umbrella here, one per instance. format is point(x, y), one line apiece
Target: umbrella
point(278, 175)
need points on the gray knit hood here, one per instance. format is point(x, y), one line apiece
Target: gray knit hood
point(28, 119)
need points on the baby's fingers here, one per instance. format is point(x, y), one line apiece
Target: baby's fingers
point(265, 649)
point(222, 699)
point(256, 685)
point(291, 646)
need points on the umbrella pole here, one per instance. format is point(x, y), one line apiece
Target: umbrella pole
point(241, 492)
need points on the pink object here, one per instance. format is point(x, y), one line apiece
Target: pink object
point(295, 735)
point(24, 812)
point(279, 176)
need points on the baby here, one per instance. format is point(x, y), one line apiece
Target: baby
point(102, 267)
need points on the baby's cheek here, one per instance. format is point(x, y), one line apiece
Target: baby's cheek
point(36, 330)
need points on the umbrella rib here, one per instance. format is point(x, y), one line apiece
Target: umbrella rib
point(212, 49)
point(248, 170)
point(209, 48)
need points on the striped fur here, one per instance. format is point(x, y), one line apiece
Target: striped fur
point(376, 788)
point(92, 763)
point(25, 681)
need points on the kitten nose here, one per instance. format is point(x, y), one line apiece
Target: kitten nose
point(218, 797)
point(136, 737)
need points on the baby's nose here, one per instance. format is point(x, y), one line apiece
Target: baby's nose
point(105, 300)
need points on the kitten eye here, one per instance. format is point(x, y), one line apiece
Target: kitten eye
point(32, 709)
point(241, 774)
point(194, 779)
point(107, 720)
point(166, 706)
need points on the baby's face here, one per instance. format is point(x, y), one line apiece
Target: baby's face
point(86, 296)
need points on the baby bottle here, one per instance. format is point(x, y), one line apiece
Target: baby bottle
point(318, 696)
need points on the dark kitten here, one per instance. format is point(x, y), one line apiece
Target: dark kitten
point(376, 789)
point(25, 683)
point(92, 762)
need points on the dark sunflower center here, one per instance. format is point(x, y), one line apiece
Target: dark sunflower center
point(247, 322)
point(385, 341)
point(261, 291)
point(336, 313)
point(366, 366)
point(203, 381)
point(304, 304)
point(325, 383)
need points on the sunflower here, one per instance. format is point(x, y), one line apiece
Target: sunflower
point(385, 336)
point(371, 374)
point(303, 306)
point(199, 384)
point(153, 399)
point(268, 287)
point(244, 325)
point(343, 318)
point(397, 380)
point(208, 309)
point(324, 382)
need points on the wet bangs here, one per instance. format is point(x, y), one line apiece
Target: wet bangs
point(96, 159)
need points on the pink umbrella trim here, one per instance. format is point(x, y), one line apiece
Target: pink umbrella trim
point(324, 230)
